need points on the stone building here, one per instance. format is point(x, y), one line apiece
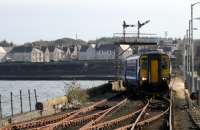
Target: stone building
point(2, 53)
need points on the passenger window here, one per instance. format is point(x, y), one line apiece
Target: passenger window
point(164, 63)
point(144, 63)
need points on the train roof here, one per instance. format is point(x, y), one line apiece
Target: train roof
point(134, 57)
point(154, 52)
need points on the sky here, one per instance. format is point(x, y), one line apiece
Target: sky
point(31, 20)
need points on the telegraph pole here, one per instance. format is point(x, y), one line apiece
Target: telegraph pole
point(192, 49)
point(192, 5)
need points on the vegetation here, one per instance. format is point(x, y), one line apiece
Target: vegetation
point(5, 43)
point(75, 93)
point(100, 92)
point(58, 42)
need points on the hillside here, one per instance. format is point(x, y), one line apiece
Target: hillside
point(58, 42)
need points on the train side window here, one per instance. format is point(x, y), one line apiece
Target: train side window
point(144, 63)
point(165, 64)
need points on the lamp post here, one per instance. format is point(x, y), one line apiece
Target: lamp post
point(185, 65)
point(192, 45)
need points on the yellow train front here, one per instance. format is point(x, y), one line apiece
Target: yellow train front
point(154, 71)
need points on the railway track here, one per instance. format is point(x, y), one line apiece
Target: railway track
point(134, 120)
point(56, 120)
point(119, 112)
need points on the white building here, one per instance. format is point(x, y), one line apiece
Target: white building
point(2, 53)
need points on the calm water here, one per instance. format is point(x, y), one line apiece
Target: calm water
point(45, 90)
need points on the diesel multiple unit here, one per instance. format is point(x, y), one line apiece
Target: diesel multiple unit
point(150, 70)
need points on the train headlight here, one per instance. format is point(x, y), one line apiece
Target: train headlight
point(144, 78)
point(164, 79)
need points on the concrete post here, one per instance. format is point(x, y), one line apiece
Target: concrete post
point(198, 83)
point(198, 101)
point(191, 86)
point(195, 84)
point(188, 80)
point(0, 108)
point(198, 86)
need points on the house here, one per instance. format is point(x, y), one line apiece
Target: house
point(26, 53)
point(67, 53)
point(107, 51)
point(58, 54)
point(37, 55)
point(46, 53)
point(2, 53)
point(87, 52)
point(51, 53)
point(75, 52)
point(55, 53)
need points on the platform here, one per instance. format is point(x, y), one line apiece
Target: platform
point(182, 120)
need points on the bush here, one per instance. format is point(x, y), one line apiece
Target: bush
point(75, 94)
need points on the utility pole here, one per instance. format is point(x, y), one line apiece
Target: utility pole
point(189, 57)
point(192, 47)
point(192, 5)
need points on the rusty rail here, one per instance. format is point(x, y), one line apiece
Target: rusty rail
point(102, 116)
point(144, 122)
point(40, 122)
point(80, 120)
point(52, 119)
point(114, 122)
point(73, 116)
point(140, 115)
point(81, 111)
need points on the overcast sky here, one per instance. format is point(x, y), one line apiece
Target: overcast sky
point(31, 20)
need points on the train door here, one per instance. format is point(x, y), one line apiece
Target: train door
point(154, 69)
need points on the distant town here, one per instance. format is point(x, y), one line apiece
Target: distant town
point(70, 49)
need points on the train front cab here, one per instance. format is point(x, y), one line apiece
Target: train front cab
point(154, 71)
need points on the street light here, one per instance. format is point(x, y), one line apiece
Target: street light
point(192, 5)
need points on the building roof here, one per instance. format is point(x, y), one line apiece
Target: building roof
point(51, 48)
point(106, 47)
point(84, 48)
point(65, 48)
point(21, 49)
point(43, 48)
point(71, 48)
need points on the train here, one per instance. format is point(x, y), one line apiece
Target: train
point(150, 70)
